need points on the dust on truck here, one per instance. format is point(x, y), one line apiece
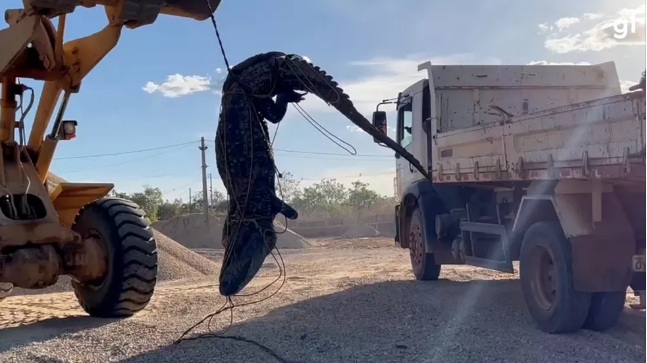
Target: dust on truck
point(539, 164)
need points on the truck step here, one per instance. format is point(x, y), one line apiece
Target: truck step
point(478, 227)
point(491, 229)
point(502, 266)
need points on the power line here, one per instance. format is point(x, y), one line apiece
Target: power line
point(359, 175)
point(327, 153)
point(289, 151)
point(356, 160)
point(127, 152)
point(332, 154)
point(123, 162)
point(181, 188)
point(144, 177)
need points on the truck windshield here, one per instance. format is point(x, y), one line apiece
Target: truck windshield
point(405, 123)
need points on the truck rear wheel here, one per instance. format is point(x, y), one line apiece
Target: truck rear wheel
point(423, 264)
point(547, 280)
point(605, 310)
point(125, 233)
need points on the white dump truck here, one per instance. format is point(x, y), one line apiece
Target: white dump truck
point(539, 164)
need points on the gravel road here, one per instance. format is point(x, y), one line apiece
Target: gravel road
point(344, 301)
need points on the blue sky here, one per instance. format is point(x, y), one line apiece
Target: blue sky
point(157, 87)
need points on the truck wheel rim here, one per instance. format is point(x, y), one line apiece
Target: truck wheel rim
point(415, 242)
point(544, 278)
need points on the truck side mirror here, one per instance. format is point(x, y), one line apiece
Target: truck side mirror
point(379, 122)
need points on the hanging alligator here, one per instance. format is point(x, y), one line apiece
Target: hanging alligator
point(244, 157)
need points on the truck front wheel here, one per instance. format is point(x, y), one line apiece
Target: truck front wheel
point(129, 244)
point(423, 264)
point(547, 280)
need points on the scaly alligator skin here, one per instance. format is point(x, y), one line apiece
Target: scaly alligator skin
point(244, 158)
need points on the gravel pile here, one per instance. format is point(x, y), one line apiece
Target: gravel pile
point(178, 262)
point(193, 232)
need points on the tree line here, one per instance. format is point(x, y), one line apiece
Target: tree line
point(326, 198)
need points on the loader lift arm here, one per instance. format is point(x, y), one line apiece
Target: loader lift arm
point(64, 65)
point(106, 244)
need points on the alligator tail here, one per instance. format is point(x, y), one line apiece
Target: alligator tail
point(305, 76)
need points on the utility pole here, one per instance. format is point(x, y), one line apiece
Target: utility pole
point(190, 206)
point(205, 200)
point(210, 191)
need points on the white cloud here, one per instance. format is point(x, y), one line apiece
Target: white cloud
point(354, 128)
point(560, 25)
point(384, 78)
point(625, 27)
point(544, 28)
point(564, 23)
point(624, 85)
point(547, 63)
point(178, 85)
point(593, 16)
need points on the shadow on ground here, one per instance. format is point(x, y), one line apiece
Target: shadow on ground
point(15, 337)
point(407, 321)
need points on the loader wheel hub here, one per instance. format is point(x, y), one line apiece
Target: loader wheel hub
point(93, 265)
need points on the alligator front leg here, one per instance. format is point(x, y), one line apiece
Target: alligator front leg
point(275, 111)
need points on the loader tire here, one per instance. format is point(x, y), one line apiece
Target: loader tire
point(5, 290)
point(605, 310)
point(131, 248)
point(547, 280)
point(423, 264)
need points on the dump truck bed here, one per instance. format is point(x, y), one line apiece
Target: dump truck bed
point(600, 138)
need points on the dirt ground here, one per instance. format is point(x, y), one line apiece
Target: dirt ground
point(344, 301)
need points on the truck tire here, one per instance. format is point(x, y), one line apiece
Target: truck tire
point(423, 264)
point(605, 310)
point(547, 280)
point(129, 241)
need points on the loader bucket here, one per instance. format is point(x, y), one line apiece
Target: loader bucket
point(195, 9)
point(140, 11)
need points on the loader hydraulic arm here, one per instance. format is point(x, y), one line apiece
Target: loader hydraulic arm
point(63, 65)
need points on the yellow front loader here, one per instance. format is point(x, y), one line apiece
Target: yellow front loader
point(106, 244)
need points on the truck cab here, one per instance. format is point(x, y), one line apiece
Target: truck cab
point(517, 152)
point(412, 132)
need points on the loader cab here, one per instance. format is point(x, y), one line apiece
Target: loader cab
point(411, 131)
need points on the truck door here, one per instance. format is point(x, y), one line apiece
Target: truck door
point(404, 170)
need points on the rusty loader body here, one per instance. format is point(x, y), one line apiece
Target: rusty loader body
point(544, 165)
point(104, 243)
